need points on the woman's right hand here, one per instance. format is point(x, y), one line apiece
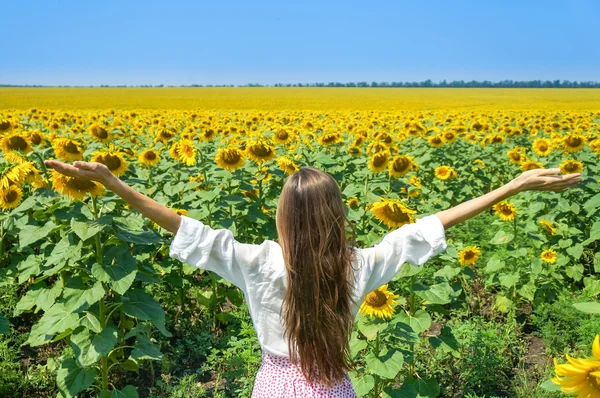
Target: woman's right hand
point(85, 170)
point(545, 180)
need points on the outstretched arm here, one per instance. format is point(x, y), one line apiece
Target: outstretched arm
point(536, 179)
point(95, 171)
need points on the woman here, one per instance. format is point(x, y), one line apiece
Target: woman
point(304, 292)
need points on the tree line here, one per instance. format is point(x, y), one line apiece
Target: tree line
point(425, 83)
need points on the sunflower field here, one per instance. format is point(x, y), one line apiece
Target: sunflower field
point(92, 304)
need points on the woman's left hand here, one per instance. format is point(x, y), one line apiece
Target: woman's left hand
point(85, 170)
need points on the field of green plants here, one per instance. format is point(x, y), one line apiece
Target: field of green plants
point(93, 305)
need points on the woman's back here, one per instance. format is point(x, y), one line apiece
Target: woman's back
point(260, 272)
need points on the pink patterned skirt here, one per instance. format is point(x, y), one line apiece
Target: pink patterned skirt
point(278, 377)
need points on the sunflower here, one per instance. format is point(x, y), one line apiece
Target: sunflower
point(282, 136)
point(10, 197)
point(530, 165)
point(99, 133)
point(16, 142)
point(15, 173)
point(468, 255)
point(181, 212)
point(548, 256)
point(229, 158)
point(480, 163)
point(260, 151)
point(36, 137)
point(113, 160)
point(547, 225)
point(67, 149)
point(573, 142)
point(5, 125)
point(515, 156)
point(354, 150)
point(207, 134)
point(380, 303)
point(436, 141)
point(330, 139)
point(445, 172)
point(184, 151)
point(287, 165)
point(414, 181)
point(379, 161)
point(401, 165)
point(580, 377)
point(571, 166)
point(505, 210)
point(392, 212)
point(148, 158)
point(353, 203)
point(542, 146)
point(75, 188)
point(164, 136)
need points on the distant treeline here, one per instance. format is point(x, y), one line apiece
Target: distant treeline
point(426, 83)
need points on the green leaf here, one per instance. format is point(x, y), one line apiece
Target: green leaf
point(445, 341)
point(145, 349)
point(141, 305)
point(563, 243)
point(503, 304)
point(447, 272)
point(575, 272)
point(387, 365)
point(86, 229)
point(29, 267)
point(43, 297)
point(4, 325)
point(428, 387)
point(502, 238)
point(362, 385)
point(549, 385)
point(30, 234)
point(77, 300)
point(128, 391)
point(84, 350)
point(594, 234)
point(356, 344)
point(139, 237)
point(408, 390)
point(408, 269)
point(575, 251)
point(528, 290)
point(592, 204)
point(420, 322)
point(90, 322)
point(435, 294)
point(66, 251)
point(509, 280)
point(56, 320)
point(494, 264)
point(588, 307)
point(119, 268)
point(369, 327)
point(71, 379)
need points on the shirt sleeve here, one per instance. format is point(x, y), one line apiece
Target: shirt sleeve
point(414, 243)
point(216, 250)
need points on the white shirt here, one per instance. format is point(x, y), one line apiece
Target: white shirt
point(259, 270)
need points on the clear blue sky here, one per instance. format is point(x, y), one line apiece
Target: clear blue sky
point(239, 42)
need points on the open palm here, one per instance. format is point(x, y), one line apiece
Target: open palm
point(85, 170)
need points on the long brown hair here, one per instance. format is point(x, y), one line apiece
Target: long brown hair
point(318, 253)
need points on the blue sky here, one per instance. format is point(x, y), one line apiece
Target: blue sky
point(240, 42)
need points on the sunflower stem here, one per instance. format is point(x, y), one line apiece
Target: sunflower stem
point(37, 155)
point(1, 240)
point(102, 305)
